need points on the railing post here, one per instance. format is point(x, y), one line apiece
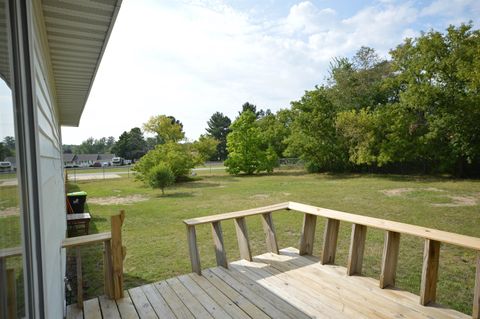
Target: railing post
point(330, 241)
point(78, 259)
point(357, 248)
point(108, 268)
point(242, 238)
point(476, 293)
point(12, 294)
point(118, 254)
point(391, 248)
point(308, 234)
point(431, 258)
point(220, 253)
point(270, 235)
point(3, 289)
point(193, 249)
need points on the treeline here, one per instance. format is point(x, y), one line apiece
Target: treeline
point(418, 112)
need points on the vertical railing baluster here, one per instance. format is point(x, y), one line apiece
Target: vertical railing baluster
point(270, 235)
point(431, 258)
point(118, 254)
point(220, 253)
point(242, 238)
point(391, 248)
point(12, 294)
point(357, 248)
point(78, 258)
point(108, 268)
point(308, 234)
point(476, 292)
point(330, 241)
point(193, 250)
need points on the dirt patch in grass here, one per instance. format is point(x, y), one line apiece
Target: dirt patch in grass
point(396, 191)
point(117, 200)
point(260, 196)
point(9, 211)
point(459, 201)
point(401, 191)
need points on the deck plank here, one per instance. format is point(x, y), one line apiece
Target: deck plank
point(188, 299)
point(281, 304)
point(397, 295)
point(228, 305)
point(91, 309)
point(158, 303)
point(313, 305)
point(272, 286)
point(258, 300)
point(215, 310)
point(247, 306)
point(177, 306)
point(359, 299)
point(73, 312)
point(126, 307)
point(143, 306)
point(108, 307)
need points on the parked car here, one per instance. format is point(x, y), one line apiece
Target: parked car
point(117, 161)
point(5, 167)
point(96, 164)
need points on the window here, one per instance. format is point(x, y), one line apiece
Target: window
point(11, 263)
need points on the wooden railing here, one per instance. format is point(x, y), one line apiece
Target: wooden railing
point(432, 237)
point(113, 255)
point(8, 294)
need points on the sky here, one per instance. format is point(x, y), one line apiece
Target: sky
point(192, 58)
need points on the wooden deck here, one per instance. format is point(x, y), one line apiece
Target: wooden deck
point(272, 286)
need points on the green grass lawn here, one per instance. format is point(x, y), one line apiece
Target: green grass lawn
point(156, 243)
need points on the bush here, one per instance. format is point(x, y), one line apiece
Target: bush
point(161, 176)
point(178, 157)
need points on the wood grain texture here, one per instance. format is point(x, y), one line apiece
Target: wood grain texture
point(476, 293)
point(193, 250)
point(242, 238)
point(78, 260)
point(233, 215)
point(308, 234)
point(330, 241)
point(220, 252)
point(431, 258)
point(270, 235)
point(108, 268)
point(423, 232)
point(357, 248)
point(86, 240)
point(391, 248)
point(11, 294)
point(118, 254)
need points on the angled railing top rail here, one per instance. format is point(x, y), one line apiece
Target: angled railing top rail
point(432, 237)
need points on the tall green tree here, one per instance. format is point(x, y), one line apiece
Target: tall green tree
point(130, 145)
point(205, 147)
point(167, 128)
point(314, 136)
point(246, 152)
point(439, 76)
point(275, 129)
point(218, 128)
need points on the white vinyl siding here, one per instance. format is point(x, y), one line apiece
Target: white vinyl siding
point(50, 164)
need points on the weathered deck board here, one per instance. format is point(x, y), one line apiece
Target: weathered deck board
point(272, 286)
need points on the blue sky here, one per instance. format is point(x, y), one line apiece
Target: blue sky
point(192, 58)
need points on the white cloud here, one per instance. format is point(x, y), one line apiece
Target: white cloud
point(190, 59)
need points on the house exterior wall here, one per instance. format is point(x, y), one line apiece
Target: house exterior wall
point(50, 165)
